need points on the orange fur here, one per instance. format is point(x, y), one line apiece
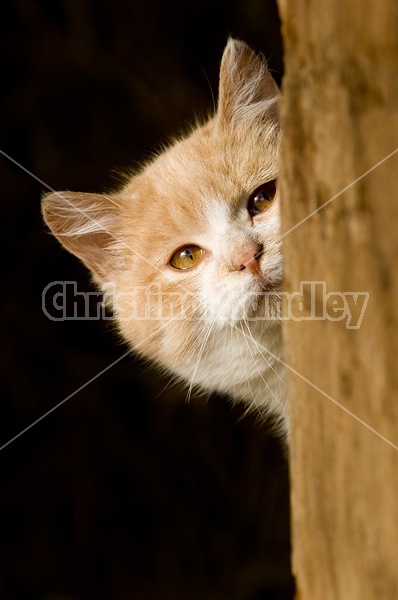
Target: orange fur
point(199, 323)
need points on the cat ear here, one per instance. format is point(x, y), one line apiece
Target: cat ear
point(86, 224)
point(247, 89)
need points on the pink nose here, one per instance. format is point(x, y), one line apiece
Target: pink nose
point(251, 261)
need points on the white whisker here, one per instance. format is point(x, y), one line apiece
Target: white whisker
point(254, 360)
point(200, 354)
point(259, 349)
point(254, 400)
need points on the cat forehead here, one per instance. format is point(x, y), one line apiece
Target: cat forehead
point(186, 204)
point(201, 181)
point(213, 156)
point(213, 164)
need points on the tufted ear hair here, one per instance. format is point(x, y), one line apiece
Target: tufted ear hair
point(86, 225)
point(247, 90)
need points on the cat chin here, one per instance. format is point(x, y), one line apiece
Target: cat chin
point(243, 361)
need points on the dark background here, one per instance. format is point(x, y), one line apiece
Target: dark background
point(125, 491)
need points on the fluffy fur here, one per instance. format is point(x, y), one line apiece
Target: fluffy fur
point(198, 323)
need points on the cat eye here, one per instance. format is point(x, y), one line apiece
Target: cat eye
point(261, 198)
point(186, 257)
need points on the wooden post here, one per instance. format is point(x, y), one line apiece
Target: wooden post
point(340, 159)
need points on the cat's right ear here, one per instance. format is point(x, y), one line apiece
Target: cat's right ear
point(247, 90)
point(86, 224)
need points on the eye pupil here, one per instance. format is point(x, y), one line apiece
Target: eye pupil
point(261, 198)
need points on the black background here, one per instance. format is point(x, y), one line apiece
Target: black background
point(125, 491)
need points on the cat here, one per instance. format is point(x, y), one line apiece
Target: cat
point(188, 251)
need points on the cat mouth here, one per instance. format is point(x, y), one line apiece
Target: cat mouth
point(265, 303)
point(270, 281)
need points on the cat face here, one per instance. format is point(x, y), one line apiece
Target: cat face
point(197, 215)
point(189, 250)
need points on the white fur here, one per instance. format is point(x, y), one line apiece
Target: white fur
point(196, 192)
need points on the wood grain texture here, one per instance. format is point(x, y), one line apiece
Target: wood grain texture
point(340, 118)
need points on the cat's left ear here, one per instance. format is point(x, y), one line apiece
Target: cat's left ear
point(247, 90)
point(87, 225)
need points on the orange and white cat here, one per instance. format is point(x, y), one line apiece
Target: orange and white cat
point(188, 252)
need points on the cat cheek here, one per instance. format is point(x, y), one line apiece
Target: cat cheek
point(268, 227)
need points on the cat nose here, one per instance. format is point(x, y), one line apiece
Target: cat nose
point(250, 260)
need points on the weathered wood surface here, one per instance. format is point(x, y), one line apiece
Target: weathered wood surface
point(340, 117)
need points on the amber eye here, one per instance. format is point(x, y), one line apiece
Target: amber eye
point(261, 198)
point(186, 257)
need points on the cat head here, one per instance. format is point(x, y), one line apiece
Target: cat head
point(190, 246)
